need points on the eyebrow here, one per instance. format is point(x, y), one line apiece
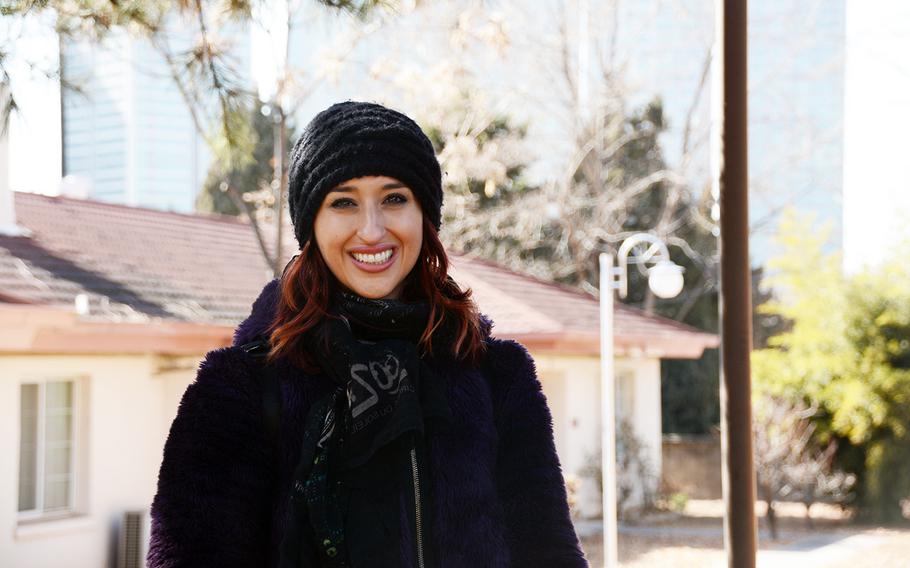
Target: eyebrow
point(349, 188)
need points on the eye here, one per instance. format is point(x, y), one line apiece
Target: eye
point(397, 198)
point(341, 203)
point(345, 202)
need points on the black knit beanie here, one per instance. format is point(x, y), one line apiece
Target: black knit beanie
point(354, 139)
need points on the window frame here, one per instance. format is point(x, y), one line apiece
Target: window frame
point(39, 512)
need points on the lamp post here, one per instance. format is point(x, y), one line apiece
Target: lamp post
point(666, 281)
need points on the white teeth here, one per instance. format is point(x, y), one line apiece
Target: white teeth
point(374, 258)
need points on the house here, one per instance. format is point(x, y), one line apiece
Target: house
point(106, 311)
point(560, 326)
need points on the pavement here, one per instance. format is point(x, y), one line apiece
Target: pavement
point(821, 549)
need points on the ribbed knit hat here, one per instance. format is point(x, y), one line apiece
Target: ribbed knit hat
point(354, 139)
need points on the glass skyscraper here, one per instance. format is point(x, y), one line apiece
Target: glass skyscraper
point(128, 136)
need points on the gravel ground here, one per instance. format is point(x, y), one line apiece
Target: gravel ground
point(663, 552)
point(694, 539)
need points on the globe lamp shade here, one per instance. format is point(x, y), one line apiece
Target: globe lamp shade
point(666, 279)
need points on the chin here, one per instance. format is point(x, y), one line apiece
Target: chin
point(372, 295)
point(373, 292)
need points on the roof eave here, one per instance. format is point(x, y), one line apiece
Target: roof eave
point(48, 330)
point(577, 343)
point(42, 329)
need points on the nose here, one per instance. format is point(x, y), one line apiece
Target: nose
point(372, 225)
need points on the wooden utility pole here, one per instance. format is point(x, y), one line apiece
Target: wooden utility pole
point(732, 177)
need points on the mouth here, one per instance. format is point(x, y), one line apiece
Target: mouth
point(374, 262)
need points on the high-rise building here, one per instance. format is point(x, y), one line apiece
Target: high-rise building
point(128, 136)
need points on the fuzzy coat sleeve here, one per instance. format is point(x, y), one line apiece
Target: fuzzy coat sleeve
point(529, 478)
point(213, 486)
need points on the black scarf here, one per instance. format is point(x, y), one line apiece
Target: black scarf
point(357, 439)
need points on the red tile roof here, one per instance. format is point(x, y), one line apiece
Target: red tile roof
point(524, 306)
point(146, 263)
point(141, 264)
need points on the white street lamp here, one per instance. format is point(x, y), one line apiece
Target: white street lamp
point(666, 281)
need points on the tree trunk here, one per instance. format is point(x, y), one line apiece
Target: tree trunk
point(770, 515)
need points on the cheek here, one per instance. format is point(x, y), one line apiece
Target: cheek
point(416, 226)
point(328, 247)
point(328, 232)
point(412, 229)
point(415, 242)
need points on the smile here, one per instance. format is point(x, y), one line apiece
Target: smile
point(374, 262)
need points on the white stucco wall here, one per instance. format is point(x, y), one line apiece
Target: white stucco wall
point(646, 416)
point(572, 388)
point(125, 408)
point(573, 395)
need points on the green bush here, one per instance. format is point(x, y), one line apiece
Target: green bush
point(848, 353)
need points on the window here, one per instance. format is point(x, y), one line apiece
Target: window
point(46, 447)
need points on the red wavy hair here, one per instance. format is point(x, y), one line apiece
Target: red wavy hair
point(307, 284)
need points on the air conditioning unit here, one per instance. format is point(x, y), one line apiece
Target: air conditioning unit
point(134, 539)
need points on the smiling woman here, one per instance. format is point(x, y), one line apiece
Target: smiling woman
point(407, 434)
point(369, 232)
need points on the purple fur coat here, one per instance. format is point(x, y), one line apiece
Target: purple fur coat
point(498, 493)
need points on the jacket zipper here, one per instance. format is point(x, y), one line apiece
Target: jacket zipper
point(417, 520)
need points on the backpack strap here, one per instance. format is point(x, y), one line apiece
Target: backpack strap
point(271, 388)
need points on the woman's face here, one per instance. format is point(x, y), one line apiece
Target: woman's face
point(369, 231)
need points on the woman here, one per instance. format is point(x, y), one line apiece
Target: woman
point(407, 435)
